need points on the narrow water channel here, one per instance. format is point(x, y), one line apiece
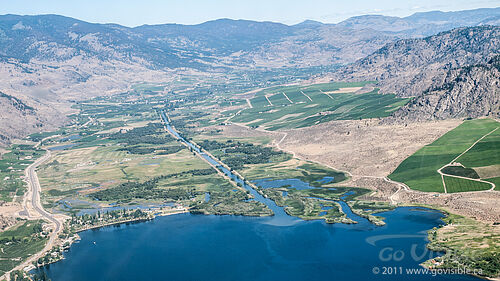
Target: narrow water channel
point(278, 211)
point(280, 216)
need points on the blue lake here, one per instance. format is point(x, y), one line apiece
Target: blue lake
point(197, 247)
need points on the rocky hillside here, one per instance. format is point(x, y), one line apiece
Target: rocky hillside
point(411, 66)
point(453, 74)
point(18, 118)
point(467, 92)
point(425, 24)
point(220, 43)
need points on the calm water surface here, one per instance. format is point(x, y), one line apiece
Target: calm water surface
point(197, 247)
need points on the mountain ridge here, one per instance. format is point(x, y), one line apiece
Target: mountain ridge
point(213, 43)
point(52, 59)
point(453, 74)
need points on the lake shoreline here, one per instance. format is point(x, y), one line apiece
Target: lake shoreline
point(200, 223)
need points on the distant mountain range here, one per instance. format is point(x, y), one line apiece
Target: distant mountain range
point(221, 43)
point(425, 24)
point(47, 60)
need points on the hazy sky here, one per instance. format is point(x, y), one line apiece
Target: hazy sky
point(138, 12)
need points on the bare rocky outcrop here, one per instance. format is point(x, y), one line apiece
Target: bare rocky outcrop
point(453, 74)
point(23, 116)
point(410, 67)
point(468, 92)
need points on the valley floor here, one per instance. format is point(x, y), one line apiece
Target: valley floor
point(117, 155)
point(370, 150)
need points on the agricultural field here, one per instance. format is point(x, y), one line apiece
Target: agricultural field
point(117, 154)
point(12, 165)
point(302, 106)
point(19, 242)
point(462, 185)
point(481, 161)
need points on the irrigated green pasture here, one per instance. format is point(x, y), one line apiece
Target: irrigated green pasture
point(302, 106)
point(462, 185)
point(419, 171)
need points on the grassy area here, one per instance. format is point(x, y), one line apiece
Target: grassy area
point(292, 169)
point(20, 242)
point(312, 204)
point(125, 157)
point(419, 171)
point(467, 243)
point(12, 166)
point(496, 181)
point(302, 106)
point(462, 185)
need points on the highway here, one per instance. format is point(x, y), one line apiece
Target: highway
point(33, 196)
point(34, 190)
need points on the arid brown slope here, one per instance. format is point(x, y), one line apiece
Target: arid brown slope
point(409, 67)
point(472, 91)
point(453, 74)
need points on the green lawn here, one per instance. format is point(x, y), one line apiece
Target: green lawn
point(310, 105)
point(419, 171)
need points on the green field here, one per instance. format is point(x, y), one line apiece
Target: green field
point(461, 185)
point(496, 181)
point(12, 165)
point(419, 171)
point(125, 157)
point(20, 242)
point(302, 106)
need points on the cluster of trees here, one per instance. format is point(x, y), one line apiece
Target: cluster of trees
point(169, 149)
point(237, 154)
point(489, 263)
point(142, 135)
point(460, 171)
point(149, 190)
point(144, 190)
point(91, 219)
point(19, 275)
point(136, 149)
point(213, 145)
point(199, 172)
